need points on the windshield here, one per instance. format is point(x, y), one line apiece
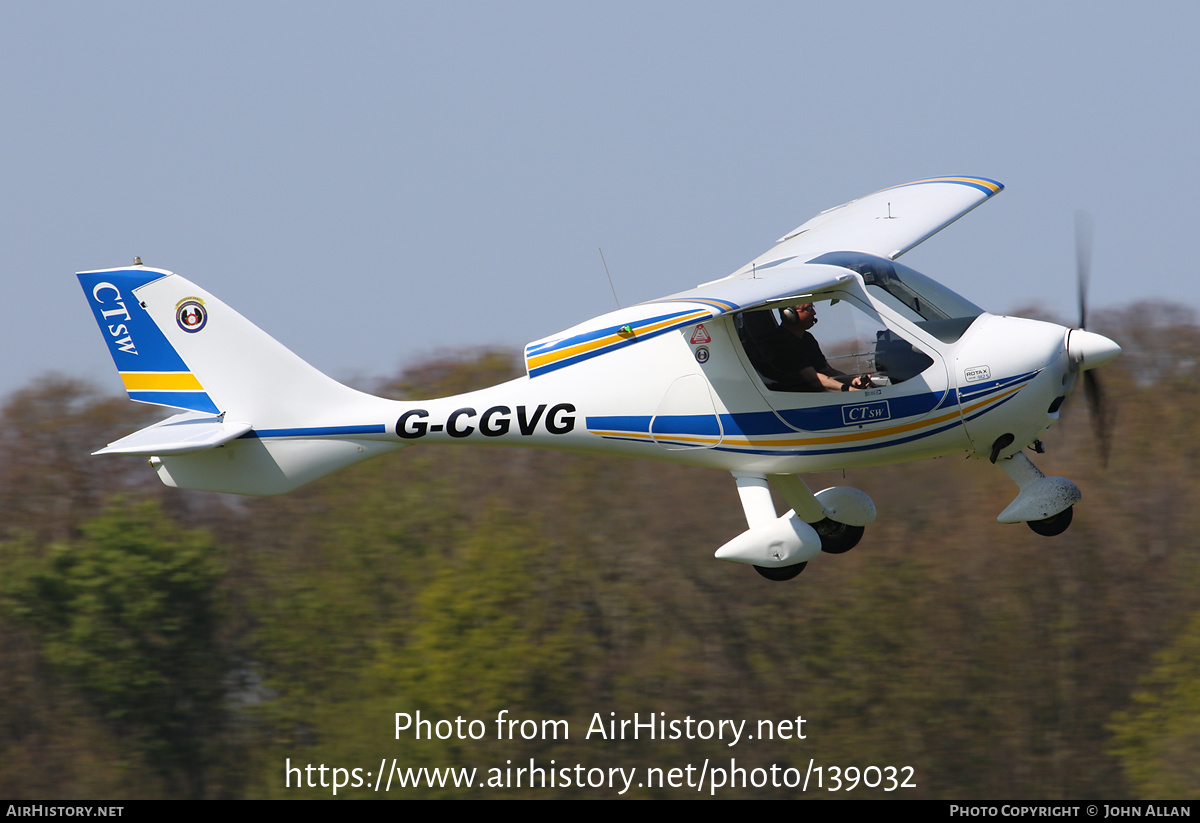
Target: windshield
point(928, 304)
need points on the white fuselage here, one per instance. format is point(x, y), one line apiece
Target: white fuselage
point(690, 395)
point(656, 399)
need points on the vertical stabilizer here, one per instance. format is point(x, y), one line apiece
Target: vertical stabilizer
point(174, 344)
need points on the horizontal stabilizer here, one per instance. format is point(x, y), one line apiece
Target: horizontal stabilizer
point(181, 434)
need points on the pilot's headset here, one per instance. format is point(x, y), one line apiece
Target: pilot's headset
point(788, 315)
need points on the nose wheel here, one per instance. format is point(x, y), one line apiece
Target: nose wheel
point(782, 573)
point(1051, 526)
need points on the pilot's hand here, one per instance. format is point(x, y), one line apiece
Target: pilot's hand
point(860, 381)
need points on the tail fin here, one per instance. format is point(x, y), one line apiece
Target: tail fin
point(281, 422)
point(174, 344)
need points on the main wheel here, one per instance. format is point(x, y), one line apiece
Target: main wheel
point(1052, 525)
point(780, 573)
point(837, 538)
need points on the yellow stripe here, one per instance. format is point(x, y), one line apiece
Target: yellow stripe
point(888, 432)
point(591, 345)
point(160, 381)
point(987, 184)
point(894, 430)
point(648, 437)
point(763, 442)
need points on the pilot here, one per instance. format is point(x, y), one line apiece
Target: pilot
point(809, 370)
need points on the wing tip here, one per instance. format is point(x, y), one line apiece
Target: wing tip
point(984, 184)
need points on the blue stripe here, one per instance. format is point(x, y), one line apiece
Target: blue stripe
point(978, 390)
point(769, 423)
point(991, 408)
point(681, 424)
point(845, 449)
point(722, 306)
point(637, 337)
point(629, 423)
point(744, 423)
point(587, 355)
point(754, 423)
point(966, 182)
point(318, 431)
point(827, 418)
point(555, 345)
point(824, 418)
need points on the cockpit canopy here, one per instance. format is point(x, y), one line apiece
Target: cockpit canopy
point(930, 306)
point(854, 340)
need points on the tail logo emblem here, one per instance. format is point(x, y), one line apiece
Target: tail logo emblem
point(191, 315)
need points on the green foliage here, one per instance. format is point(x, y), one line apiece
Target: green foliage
point(49, 482)
point(370, 624)
point(1158, 737)
point(492, 627)
point(129, 613)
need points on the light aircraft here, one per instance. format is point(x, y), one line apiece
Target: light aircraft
point(700, 377)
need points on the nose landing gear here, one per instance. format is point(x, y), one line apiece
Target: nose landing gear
point(1052, 526)
point(1045, 503)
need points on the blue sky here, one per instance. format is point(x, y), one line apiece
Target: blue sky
point(376, 182)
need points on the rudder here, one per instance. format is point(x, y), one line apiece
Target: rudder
point(150, 368)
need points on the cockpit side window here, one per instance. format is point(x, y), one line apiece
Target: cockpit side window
point(849, 348)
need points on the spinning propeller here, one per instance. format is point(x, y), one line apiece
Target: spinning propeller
point(1087, 350)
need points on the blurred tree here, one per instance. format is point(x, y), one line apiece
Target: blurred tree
point(1158, 738)
point(495, 625)
point(129, 612)
point(49, 481)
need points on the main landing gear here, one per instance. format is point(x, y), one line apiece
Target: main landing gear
point(838, 538)
point(779, 548)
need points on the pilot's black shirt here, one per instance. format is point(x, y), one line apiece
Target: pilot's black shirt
point(795, 355)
